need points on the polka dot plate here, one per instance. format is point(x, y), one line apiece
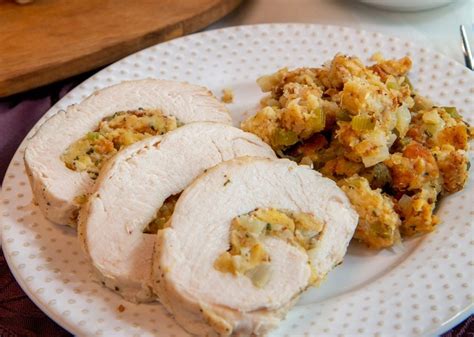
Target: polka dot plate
point(418, 290)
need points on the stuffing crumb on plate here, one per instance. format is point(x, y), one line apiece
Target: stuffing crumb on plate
point(227, 95)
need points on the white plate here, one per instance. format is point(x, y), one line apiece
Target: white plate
point(415, 292)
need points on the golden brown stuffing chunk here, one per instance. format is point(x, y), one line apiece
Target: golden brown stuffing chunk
point(413, 168)
point(453, 165)
point(384, 68)
point(227, 95)
point(341, 167)
point(456, 136)
point(417, 212)
point(378, 222)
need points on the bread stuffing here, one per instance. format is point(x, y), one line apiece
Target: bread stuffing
point(392, 150)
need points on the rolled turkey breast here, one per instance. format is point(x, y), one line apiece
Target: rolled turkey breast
point(135, 183)
point(209, 302)
point(58, 189)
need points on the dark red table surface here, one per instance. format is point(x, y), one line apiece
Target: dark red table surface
point(18, 315)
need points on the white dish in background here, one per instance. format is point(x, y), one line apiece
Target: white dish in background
point(418, 291)
point(407, 5)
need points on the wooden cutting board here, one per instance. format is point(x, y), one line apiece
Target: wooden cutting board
point(49, 40)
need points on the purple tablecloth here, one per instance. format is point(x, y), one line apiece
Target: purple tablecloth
point(18, 315)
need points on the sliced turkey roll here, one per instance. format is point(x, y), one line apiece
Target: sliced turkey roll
point(136, 192)
point(245, 239)
point(65, 155)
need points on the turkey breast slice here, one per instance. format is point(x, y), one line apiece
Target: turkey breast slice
point(54, 185)
point(208, 302)
point(133, 185)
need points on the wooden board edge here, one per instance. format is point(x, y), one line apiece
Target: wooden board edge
point(59, 71)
